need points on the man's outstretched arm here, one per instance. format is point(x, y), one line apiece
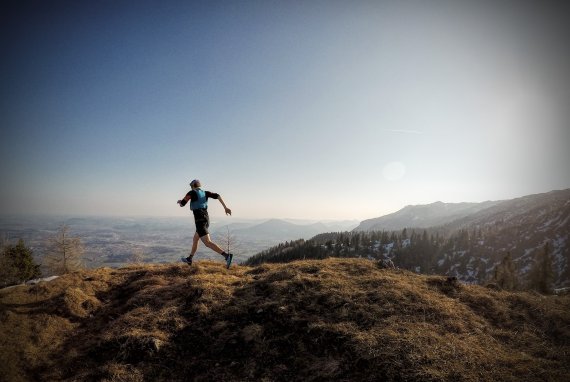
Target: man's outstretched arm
point(228, 211)
point(214, 195)
point(185, 200)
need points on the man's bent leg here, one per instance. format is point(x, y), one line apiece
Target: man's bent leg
point(210, 244)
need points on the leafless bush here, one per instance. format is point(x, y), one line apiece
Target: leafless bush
point(64, 253)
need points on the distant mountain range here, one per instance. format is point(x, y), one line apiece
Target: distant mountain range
point(545, 211)
point(423, 216)
point(282, 230)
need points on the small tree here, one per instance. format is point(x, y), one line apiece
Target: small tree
point(541, 275)
point(229, 241)
point(64, 252)
point(505, 275)
point(137, 257)
point(17, 264)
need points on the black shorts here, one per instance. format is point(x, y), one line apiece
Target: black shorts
point(202, 221)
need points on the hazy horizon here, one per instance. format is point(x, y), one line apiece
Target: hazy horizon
point(219, 216)
point(311, 110)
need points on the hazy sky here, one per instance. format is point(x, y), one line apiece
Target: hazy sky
point(308, 109)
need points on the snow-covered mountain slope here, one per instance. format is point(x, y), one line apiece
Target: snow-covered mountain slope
point(520, 226)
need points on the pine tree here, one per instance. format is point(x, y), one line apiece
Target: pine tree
point(505, 274)
point(17, 264)
point(383, 237)
point(356, 241)
point(542, 275)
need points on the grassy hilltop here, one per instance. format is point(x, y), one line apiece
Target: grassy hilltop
point(336, 319)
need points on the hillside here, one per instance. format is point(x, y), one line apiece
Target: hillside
point(423, 216)
point(542, 210)
point(336, 319)
point(469, 248)
point(455, 216)
point(520, 226)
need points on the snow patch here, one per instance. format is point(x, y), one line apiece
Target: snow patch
point(454, 267)
point(35, 281)
point(564, 222)
point(32, 282)
point(526, 268)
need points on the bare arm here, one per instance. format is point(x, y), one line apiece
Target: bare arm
point(183, 202)
point(228, 211)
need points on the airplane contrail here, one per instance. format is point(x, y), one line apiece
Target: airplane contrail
point(404, 131)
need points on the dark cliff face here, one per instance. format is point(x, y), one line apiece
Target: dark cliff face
point(336, 319)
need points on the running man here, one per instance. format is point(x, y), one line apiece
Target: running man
point(199, 206)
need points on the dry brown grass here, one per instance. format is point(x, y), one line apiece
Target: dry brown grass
point(336, 319)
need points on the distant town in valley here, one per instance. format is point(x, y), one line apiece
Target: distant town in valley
point(113, 241)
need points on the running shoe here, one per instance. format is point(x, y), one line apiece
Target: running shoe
point(229, 259)
point(187, 260)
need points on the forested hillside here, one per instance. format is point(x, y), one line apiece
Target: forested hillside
point(528, 231)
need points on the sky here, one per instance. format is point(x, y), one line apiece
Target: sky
point(295, 109)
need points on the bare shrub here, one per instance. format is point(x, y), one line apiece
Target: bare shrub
point(64, 252)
